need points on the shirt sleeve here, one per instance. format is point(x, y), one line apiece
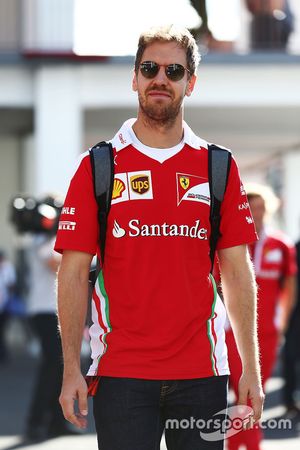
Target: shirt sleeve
point(237, 224)
point(78, 227)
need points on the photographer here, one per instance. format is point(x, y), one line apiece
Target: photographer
point(37, 220)
point(45, 419)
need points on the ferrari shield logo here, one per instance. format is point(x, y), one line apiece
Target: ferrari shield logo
point(184, 182)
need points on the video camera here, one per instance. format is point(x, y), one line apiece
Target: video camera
point(31, 215)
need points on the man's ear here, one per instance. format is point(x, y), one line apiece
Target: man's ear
point(134, 82)
point(190, 85)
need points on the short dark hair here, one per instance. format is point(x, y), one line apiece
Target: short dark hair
point(170, 33)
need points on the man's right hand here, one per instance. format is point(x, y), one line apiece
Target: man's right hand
point(250, 389)
point(74, 388)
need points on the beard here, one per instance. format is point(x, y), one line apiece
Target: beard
point(158, 114)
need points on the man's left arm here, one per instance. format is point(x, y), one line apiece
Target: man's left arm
point(239, 289)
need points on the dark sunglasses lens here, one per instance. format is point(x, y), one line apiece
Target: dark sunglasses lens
point(175, 72)
point(149, 69)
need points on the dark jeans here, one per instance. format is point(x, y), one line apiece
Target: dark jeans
point(45, 410)
point(131, 413)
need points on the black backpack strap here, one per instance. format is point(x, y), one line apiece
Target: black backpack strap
point(219, 161)
point(102, 162)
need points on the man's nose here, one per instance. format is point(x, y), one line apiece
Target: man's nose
point(161, 76)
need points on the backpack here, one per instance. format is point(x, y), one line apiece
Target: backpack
point(102, 162)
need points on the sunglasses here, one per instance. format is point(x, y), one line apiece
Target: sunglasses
point(174, 72)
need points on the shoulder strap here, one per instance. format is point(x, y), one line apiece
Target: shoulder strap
point(219, 161)
point(102, 163)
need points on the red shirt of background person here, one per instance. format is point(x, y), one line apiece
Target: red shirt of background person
point(275, 266)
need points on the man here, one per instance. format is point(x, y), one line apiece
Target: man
point(157, 339)
point(275, 268)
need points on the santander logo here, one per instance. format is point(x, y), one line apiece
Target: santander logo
point(118, 232)
point(135, 229)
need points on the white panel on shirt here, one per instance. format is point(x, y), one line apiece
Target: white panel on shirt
point(159, 154)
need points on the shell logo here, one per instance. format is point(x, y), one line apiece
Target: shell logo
point(118, 189)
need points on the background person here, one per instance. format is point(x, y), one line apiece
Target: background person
point(203, 30)
point(45, 418)
point(291, 352)
point(271, 25)
point(275, 268)
point(157, 337)
point(203, 33)
point(7, 284)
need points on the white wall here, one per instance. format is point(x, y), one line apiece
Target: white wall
point(28, 167)
point(9, 176)
point(101, 85)
point(58, 127)
point(16, 86)
point(48, 25)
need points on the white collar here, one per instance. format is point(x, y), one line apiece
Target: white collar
point(123, 137)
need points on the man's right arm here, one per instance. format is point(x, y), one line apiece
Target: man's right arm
point(73, 278)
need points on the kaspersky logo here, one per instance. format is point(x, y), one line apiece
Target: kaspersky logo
point(135, 229)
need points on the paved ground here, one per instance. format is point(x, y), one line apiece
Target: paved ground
point(16, 380)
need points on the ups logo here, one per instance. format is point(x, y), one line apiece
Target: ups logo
point(140, 183)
